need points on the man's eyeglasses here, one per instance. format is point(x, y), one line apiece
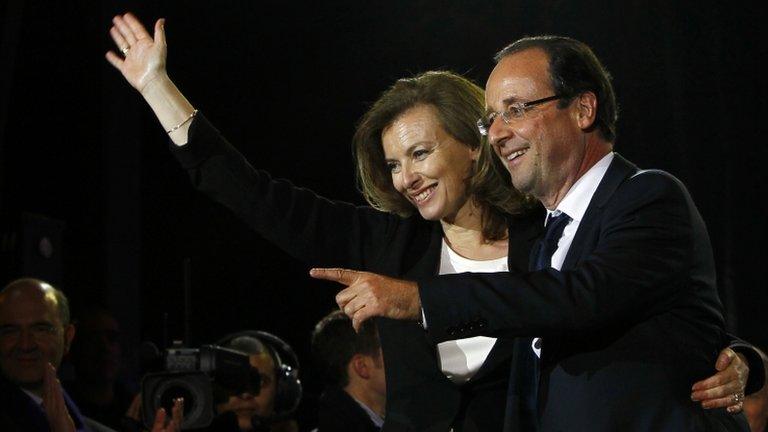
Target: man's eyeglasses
point(514, 111)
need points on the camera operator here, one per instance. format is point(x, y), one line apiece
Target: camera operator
point(268, 408)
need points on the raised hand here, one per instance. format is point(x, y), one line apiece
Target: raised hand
point(134, 409)
point(142, 63)
point(177, 417)
point(726, 387)
point(56, 411)
point(368, 294)
point(142, 57)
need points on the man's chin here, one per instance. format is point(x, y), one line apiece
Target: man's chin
point(22, 370)
point(523, 185)
point(245, 412)
point(29, 383)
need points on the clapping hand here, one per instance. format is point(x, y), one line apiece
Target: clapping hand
point(159, 424)
point(56, 411)
point(174, 425)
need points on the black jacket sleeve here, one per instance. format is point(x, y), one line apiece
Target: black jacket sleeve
point(756, 379)
point(643, 258)
point(309, 227)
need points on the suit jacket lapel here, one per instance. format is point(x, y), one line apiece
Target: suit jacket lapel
point(74, 412)
point(428, 262)
point(523, 229)
point(619, 170)
point(29, 416)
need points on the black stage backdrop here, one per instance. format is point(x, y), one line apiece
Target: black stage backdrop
point(286, 82)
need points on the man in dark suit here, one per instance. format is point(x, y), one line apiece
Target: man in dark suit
point(620, 312)
point(353, 369)
point(35, 333)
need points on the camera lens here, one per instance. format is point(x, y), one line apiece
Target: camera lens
point(169, 394)
point(193, 396)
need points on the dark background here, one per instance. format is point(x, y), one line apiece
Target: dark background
point(286, 82)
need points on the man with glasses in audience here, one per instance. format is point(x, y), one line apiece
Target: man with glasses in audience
point(35, 333)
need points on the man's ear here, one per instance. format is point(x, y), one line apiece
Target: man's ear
point(69, 334)
point(359, 365)
point(586, 110)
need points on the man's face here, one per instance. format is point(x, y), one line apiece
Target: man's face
point(31, 335)
point(96, 352)
point(543, 149)
point(247, 404)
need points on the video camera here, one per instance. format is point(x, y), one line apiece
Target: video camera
point(196, 375)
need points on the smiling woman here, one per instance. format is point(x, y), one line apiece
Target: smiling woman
point(437, 111)
point(418, 148)
point(429, 167)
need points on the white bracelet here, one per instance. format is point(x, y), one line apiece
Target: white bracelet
point(191, 116)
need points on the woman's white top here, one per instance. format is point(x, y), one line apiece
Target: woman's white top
point(460, 359)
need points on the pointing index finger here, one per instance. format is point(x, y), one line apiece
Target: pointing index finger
point(343, 276)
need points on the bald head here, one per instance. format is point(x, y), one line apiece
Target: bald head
point(34, 331)
point(43, 291)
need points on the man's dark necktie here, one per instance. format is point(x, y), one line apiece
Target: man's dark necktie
point(524, 380)
point(541, 255)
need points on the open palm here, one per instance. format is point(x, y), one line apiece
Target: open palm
point(145, 56)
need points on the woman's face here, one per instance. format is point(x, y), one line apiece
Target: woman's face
point(429, 167)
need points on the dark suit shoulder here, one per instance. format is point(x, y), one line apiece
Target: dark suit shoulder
point(338, 412)
point(653, 182)
point(652, 193)
point(651, 178)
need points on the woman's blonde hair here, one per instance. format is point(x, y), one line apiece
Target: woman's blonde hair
point(458, 103)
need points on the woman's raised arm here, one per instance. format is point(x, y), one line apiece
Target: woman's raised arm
point(142, 63)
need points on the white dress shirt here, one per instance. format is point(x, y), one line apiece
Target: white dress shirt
point(376, 419)
point(37, 399)
point(575, 204)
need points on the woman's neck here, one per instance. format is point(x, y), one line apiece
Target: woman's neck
point(464, 235)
